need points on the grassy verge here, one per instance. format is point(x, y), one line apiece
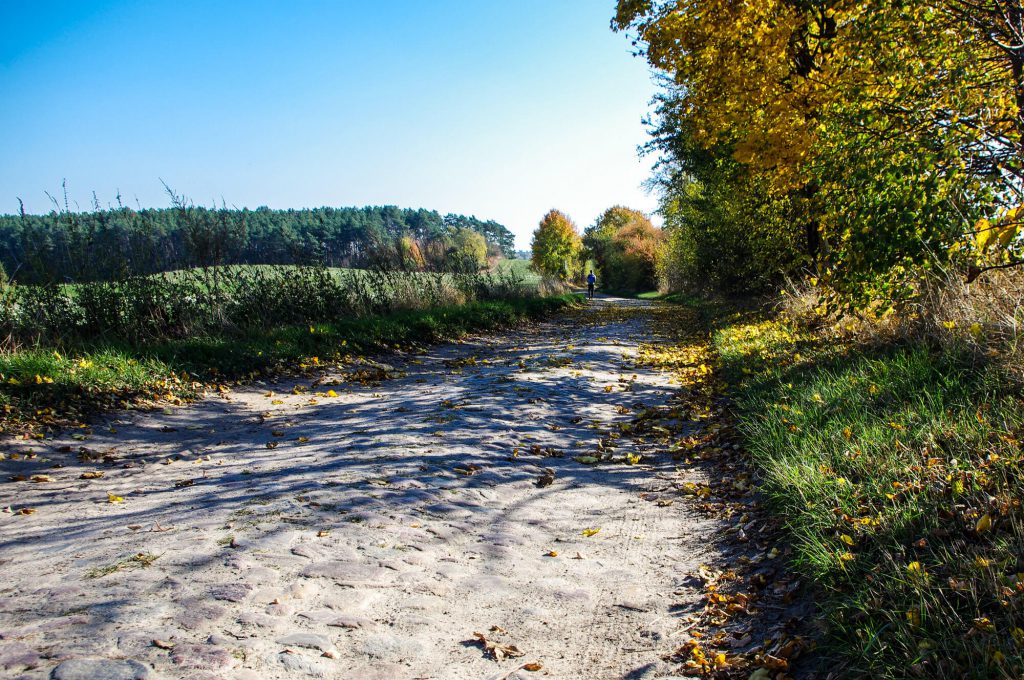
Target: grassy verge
point(41, 387)
point(896, 471)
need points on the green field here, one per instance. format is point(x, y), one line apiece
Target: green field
point(72, 348)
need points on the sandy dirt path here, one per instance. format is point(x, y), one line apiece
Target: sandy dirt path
point(266, 534)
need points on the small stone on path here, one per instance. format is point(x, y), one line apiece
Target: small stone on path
point(297, 663)
point(307, 640)
point(201, 657)
point(231, 592)
point(100, 669)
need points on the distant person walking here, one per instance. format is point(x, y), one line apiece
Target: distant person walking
point(591, 280)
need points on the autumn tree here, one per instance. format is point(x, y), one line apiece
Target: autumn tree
point(626, 247)
point(889, 131)
point(556, 247)
point(468, 250)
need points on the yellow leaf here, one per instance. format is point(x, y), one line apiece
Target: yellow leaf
point(331, 393)
point(551, 553)
point(985, 234)
point(608, 388)
point(92, 474)
point(277, 402)
point(917, 571)
point(984, 523)
point(984, 623)
point(111, 498)
point(847, 539)
point(590, 532)
point(302, 440)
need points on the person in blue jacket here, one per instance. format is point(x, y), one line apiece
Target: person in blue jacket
point(591, 280)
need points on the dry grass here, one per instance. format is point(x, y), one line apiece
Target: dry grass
point(984, 317)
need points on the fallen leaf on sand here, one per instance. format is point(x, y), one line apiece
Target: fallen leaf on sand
point(39, 479)
point(302, 440)
point(546, 479)
point(590, 532)
point(92, 474)
point(498, 651)
point(111, 498)
point(551, 553)
point(181, 483)
point(162, 644)
point(323, 533)
point(271, 445)
point(25, 511)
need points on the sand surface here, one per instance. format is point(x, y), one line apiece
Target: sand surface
point(385, 527)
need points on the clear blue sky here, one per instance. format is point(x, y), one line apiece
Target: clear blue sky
point(499, 109)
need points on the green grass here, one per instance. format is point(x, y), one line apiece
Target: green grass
point(885, 464)
point(521, 268)
point(41, 386)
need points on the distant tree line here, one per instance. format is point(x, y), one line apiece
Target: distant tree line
point(110, 243)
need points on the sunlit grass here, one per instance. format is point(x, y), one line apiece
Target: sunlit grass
point(897, 471)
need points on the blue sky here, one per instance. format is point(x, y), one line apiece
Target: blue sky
point(499, 109)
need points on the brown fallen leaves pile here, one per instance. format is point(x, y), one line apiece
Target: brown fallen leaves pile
point(750, 624)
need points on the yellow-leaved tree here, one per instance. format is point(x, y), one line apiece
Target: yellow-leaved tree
point(556, 247)
point(890, 130)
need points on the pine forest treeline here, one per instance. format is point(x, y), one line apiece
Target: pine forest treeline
point(105, 244)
